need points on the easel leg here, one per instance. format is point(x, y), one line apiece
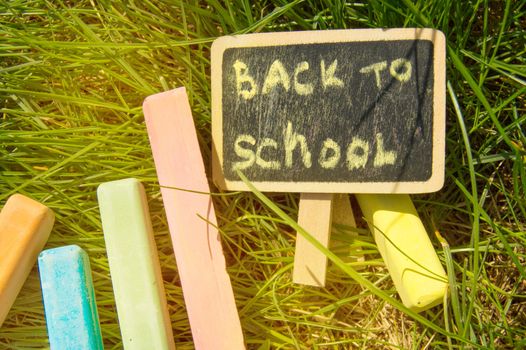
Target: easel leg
point(310, 265)
point(342, 214)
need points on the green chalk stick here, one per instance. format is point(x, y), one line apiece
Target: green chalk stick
point(134, 266)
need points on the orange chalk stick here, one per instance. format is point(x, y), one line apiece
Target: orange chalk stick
point(192, 222)
point(25, 226)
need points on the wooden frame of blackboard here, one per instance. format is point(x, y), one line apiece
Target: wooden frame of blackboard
point(433, 183)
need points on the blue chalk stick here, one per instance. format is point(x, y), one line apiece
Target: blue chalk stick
point(69, 299)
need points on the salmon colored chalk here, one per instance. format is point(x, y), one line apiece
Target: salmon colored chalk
point(25, 226)
point(192, 222)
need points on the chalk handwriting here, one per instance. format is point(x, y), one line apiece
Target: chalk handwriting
point(302, 89)
point(376, 68)
point(327, 76)
point(357, 154)
point(277, 77)
point(243, 78)
point(329, 162)
point(291, 140)
point(400, 69)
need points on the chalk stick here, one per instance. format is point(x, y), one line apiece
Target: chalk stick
point(420, 285)
point(192, 222)
point(69, 299)
point(314, 215)
point(25, 226)
point(134, 266)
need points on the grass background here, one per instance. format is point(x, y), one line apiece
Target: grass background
point(73, 76)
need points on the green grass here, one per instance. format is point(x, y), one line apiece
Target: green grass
point(72, 80)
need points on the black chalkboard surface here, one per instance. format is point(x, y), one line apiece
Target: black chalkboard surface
point(358, 111)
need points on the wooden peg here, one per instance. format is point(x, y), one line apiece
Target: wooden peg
point(342, 214)
point(314, 215)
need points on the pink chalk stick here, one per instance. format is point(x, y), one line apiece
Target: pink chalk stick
point(192, 222)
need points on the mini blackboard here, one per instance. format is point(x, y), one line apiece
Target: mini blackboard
point(341, 111)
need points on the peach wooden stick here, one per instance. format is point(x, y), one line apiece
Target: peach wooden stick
point(314, 215)
point(342, 214)
point(192, 222)
point(317, 212)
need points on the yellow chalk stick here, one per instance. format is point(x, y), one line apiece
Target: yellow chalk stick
point(406, 249)
point(25, 226)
